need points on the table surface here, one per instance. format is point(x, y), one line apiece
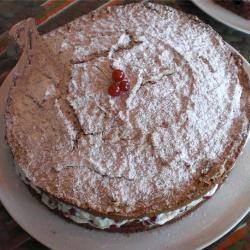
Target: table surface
point(11, 235)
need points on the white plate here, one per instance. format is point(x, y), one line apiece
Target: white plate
point(223, 15)
point(202, 227)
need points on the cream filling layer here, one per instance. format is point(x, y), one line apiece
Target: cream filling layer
point(82, 217)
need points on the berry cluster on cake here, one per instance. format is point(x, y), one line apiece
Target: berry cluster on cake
point(127, 118)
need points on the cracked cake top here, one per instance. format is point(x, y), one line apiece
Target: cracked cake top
point(168, 140)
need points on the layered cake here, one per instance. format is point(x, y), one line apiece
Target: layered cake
point(240, 7)
point(127, 118)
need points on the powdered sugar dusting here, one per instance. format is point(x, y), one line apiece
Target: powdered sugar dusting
point(146, 149)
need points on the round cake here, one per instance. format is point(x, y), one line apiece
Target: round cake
point(126, 159)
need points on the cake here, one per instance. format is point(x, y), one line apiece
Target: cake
point(149, 155)
point(240, 7)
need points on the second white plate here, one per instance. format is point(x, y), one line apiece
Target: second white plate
point(223, 15)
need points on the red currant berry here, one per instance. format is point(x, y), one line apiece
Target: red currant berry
point(114, 90)
point(124, 85)
point(118, 75)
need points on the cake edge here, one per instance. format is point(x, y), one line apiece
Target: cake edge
point(71, 213)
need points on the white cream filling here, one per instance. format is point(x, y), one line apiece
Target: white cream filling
point(102, 222)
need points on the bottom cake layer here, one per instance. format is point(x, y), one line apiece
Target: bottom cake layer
point(89, 220)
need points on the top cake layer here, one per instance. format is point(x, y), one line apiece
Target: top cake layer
point(166, 142)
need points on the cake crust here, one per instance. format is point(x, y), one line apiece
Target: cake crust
point(167, 142)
